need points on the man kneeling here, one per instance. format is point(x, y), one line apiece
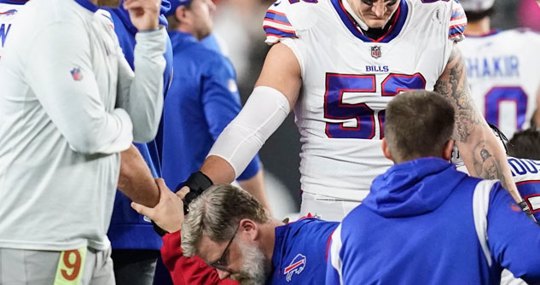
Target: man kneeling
point(423, 221)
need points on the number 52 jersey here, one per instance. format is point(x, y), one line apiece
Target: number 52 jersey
point(348, 79)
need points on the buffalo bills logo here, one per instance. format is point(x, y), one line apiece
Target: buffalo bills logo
point(375, 51)
point(8, 12)
point(76, 74)
point(297, 266)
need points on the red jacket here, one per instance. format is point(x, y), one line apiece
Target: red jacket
point(188, 270)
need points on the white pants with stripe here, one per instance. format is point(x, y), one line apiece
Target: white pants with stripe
point(37, 267)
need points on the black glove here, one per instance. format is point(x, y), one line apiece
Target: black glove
point(197, 183)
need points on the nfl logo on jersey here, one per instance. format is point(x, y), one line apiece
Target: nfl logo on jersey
point(76, 74)
point(375, 51)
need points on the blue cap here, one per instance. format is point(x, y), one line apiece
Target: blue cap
point(175, 4)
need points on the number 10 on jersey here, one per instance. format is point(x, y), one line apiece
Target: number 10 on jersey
point(366, 118)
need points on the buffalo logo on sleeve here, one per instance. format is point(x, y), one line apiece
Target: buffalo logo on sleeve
point(296, 267)
point(76, 74)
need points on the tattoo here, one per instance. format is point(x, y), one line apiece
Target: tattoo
point(453, 85)
point(470, 127)
point(485, 164)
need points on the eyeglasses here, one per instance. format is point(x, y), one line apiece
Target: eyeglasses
point(222, 262)
point(386, 2)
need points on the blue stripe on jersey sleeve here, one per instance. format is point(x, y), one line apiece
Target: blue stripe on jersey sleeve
point(458, 21)
point(459, 29)
point(277, 17)
point(272, 31)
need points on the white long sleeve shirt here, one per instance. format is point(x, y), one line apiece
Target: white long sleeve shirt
point(67, 102)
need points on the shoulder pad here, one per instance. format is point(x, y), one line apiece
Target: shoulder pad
point(287, 18)
point(449, 12)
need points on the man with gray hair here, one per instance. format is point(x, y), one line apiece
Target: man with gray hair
point(229, 229)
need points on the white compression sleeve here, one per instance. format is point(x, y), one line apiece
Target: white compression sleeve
point(264, 111)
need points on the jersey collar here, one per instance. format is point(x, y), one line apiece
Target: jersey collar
point(395, 29)
point(88, 5)
point(13, 2)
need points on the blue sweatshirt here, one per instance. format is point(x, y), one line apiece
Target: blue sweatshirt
point(417, 226)
point(300, 251)
point(128, 229)
point(201, 102)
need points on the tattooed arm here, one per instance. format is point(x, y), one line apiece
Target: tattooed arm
point(481, 151)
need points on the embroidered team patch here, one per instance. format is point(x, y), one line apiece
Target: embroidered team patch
point(296, 267)
point(76, 74)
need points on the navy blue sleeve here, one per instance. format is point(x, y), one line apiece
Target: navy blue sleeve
point(221, 103)
point(513, 238)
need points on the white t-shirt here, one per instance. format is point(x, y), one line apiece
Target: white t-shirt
point(502, 70)
point(348, 79)
point(66, 95)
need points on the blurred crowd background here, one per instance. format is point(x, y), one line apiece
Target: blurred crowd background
point(238, 26)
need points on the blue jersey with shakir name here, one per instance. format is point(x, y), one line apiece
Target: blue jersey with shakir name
point(300, 252)
point(8, 12)
point(502, 70)
point(128, 229)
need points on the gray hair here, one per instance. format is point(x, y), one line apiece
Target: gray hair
point(217, 213)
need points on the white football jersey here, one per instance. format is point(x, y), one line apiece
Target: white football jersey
point(348, 79)
point(8, 11)
point(526, 174)
point(502, 69)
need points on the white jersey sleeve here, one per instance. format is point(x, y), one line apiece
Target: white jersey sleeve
point(140, 93)
point(73, 102)
point(458, 21)
point(287, 20)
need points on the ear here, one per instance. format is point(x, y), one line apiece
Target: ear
point(180, 13)
point(386, 150)
point(447, 150)
point(250, 229)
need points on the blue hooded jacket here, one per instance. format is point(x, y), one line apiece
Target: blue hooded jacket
point(417, 227)
point(128, 229)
